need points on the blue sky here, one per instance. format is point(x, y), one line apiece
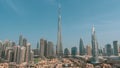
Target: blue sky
point(36, 19)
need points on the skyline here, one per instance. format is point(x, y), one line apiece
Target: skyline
point(17, 17)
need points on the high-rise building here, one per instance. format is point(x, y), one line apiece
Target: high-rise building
point(42, 48)
point(37, 49)
point(17, 54)
point(108, 49)
point(81, 47)
point(27, 54)
point(10, 56)
point(104, 52)
point(31, 56)
point(94, 47)
point(74, 51)
point(21, 40)
point(115, 48)
point(50, 49)
point(59, 48)
point(45, 48)
point(66, 52)
point(88, 50)
point(13, 44)
point(1, 46)
point(22, 54)
point(24, 42)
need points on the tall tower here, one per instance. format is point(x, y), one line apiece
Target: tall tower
point(81, 48)
point(115, 48)
point(59, 48)
point(21, 40)
point(94, 46)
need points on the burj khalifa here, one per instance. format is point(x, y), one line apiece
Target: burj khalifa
point(94, 47)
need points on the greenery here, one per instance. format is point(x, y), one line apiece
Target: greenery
point(36, 60)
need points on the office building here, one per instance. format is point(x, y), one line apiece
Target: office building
point(66, 52)
point(74, 51)
point(81, 47)
point(115, 48)
point(50, 49)
point(21, 40)
point(42, 43)
point(89, 50)
point(108, 50)
point(22, 54)
point(45, 48)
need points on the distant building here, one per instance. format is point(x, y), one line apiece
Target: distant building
point(45, 48)
point(10, 56)
point(81, 47)
point(17, 54)
point(50, 49)
point(27, 53)
point(22, 54)
point(89, 50)
point(66, 52)
point(24, 42)
point(21, 40)
point(115, 47)
point(38, 50)
point(104, 52)
point(42, 43)
point(74, 51)
point(31, 56)
point(109, 49)
point(1, 46)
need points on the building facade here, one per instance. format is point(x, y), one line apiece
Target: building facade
point(81, 47)
point(109, 49)
point(115, 48)
point(74, 51)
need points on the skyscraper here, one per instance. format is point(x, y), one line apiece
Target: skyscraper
point(81, 47)
point(42, 48)
point(45, 48)
point(17, 54)
point(21, 40)
point(74, 51)
point(88, 50)
point(1, 46)
point(22, 54)
point(37, 49)
point(66, 52)
point(24, 42)
point(27, 55)
point(108, 49)
point(115, 48)
point(50, 49)
point(94, 47)
point(59, 48)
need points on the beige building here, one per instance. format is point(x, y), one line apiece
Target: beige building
point(88, 48)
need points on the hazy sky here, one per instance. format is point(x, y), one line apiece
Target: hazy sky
point(36, 19)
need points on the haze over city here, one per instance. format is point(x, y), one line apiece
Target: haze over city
point(36, 19)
